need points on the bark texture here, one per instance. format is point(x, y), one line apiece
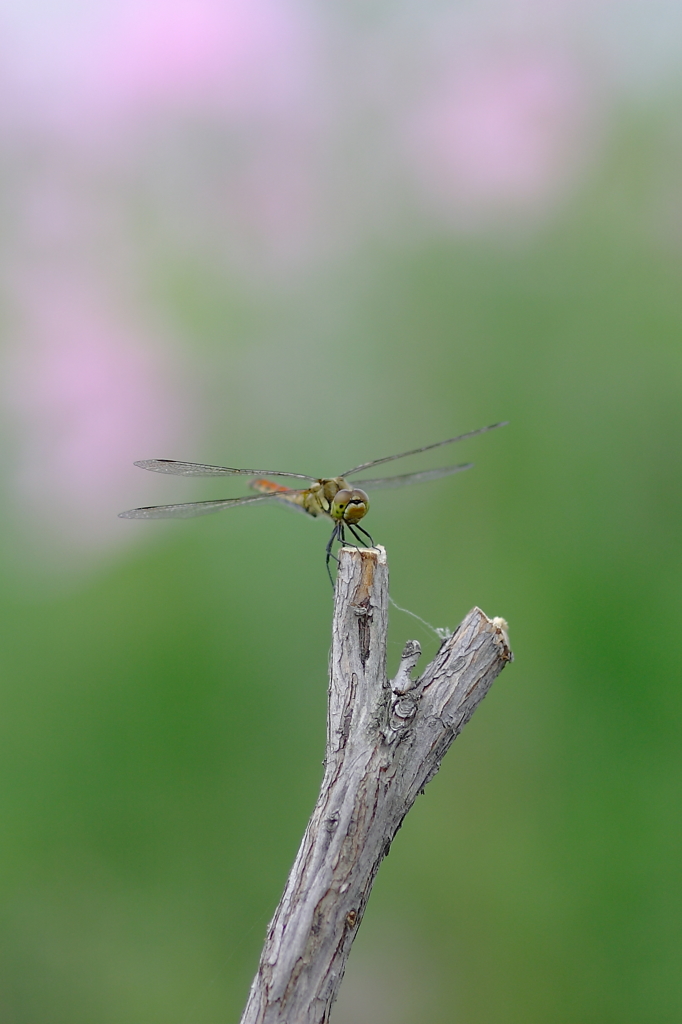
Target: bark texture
point(385, 741)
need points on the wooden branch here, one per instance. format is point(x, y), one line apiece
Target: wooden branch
point(385, 741)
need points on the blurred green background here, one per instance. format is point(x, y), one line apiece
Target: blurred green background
point(262, 234)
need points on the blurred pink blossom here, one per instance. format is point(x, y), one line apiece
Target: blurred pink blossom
point(500, 131)
point(85, 395)
point(84, 69)
point(205, 112)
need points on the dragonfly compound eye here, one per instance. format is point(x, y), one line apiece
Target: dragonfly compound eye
point(357, 506)
point(340, 503)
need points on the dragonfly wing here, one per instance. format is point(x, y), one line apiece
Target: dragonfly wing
point(190, 509)
point(384, 482)
point(174, 468)
point(293, 506)
point(426, 448)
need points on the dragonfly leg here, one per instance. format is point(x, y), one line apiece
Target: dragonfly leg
point(343, 536)
point(333, 537)
point(339, 533)
point(368, 535)
point(352, 530)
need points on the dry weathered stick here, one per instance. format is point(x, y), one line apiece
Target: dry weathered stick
point(385, 740)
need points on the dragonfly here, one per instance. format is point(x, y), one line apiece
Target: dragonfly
point(336, 498)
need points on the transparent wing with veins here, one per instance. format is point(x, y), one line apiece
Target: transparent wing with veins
point(173, 468)
point(190, 509)
point(417, 451)
point(385, 482)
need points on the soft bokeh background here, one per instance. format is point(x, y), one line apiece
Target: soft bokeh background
point(303, 236)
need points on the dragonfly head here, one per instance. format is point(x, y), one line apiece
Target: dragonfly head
point(350, 506)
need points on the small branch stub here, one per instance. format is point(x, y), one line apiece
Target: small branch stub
point(385, 741)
